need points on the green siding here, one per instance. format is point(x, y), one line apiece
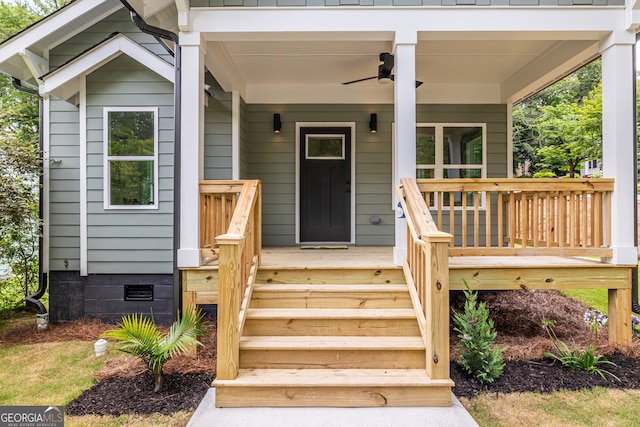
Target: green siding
point(64, 187)
point(119, 241)
point(217, 133)
point(271, 158)
point(387, 3)
point(118, 22)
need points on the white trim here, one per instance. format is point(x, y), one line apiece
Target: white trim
point(299, 126)
point(439, 165)
point(235, 135)
point(191, 158)
point(324, 136)
point(34, 35)
point(509, 140)
point(46, 177)
point(359, 22)
point(83, 176)
point(63, 83)
point(106, 158)
point(35, 63)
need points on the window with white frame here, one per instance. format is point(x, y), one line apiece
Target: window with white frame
point(451, 150)
point(131, 158)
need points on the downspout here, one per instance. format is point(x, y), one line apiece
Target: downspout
point(635, 306)
point(33, 300)
point(177, 95)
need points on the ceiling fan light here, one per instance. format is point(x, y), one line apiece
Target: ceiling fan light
point(385, 80)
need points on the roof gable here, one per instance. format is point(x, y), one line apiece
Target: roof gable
point(24, 54)
point(64, 83)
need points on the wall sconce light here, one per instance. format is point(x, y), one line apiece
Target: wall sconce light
point(373, 123)
point(277, 124)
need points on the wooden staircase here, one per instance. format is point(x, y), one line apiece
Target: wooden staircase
point(324, 338)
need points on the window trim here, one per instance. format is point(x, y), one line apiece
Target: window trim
point(439, 167)
point(106, 187)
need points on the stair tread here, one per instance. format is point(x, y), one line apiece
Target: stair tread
point(331, 343)
point(332, 378)
point(331, 313)
point(330, 287)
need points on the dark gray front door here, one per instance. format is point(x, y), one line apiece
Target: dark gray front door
point(325, 184)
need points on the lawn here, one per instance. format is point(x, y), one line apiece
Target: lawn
point(54, 373)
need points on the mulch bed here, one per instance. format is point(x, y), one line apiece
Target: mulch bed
point(124, 386)
point(118, 396)
point(547, 375)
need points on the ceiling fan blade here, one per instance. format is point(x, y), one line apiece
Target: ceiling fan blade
point(418, 82)
point(360, 80)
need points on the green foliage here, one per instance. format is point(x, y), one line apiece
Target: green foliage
point(544, 174)
point(479, 356)
point(578, 359)
point(19, 180)
point(572, 104)
point(140, 337)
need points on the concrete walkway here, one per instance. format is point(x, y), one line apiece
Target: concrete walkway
point(208, 415)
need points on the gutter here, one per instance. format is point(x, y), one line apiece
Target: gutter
point(635, 306)
point(33, 300)
point(160, 33)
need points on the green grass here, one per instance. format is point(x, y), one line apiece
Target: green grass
point(596, 407)
point(56, 373)
point(47, 373)
point(592, 298)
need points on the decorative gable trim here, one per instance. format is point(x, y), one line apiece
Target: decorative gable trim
point(64, 83)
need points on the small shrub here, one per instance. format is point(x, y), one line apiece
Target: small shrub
point(580, 359)
point(479, 356)
point(140, 337)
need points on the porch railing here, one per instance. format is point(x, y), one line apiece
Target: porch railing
point(235, 205)
point(426, 268)
point(567, 217)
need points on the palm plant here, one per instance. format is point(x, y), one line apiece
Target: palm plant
point(140, 337)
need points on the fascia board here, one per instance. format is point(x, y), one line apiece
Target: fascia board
point(47, 26)
point(219, 22)
point(99, 56)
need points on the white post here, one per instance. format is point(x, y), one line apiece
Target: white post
point(405, 125)
point(618, 143)
point(192, 140)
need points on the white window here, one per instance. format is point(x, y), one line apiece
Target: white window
point(452, 150)
point(131, 158)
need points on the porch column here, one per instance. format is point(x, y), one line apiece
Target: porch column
point(618, 142)
point(192, 134)
point(405, 125)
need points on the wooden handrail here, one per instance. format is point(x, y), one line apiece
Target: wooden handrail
point(566, 217)
point(427, 271)
point(239, 252)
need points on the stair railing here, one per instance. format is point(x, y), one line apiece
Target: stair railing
point(426, 268)
point(239, 257)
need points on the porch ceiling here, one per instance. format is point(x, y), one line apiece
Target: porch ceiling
point(452, 69)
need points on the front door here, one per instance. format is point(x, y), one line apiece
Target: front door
point(325, 184)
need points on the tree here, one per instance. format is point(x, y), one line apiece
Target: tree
point(571, 133)
point(19, 159)
point(573, 89)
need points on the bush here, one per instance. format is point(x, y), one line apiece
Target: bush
point(479, 356)
point(579, 359)
point(140, 337)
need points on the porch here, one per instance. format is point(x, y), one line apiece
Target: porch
point(343, 325)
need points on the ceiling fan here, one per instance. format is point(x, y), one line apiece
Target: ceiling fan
point(384, 71)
